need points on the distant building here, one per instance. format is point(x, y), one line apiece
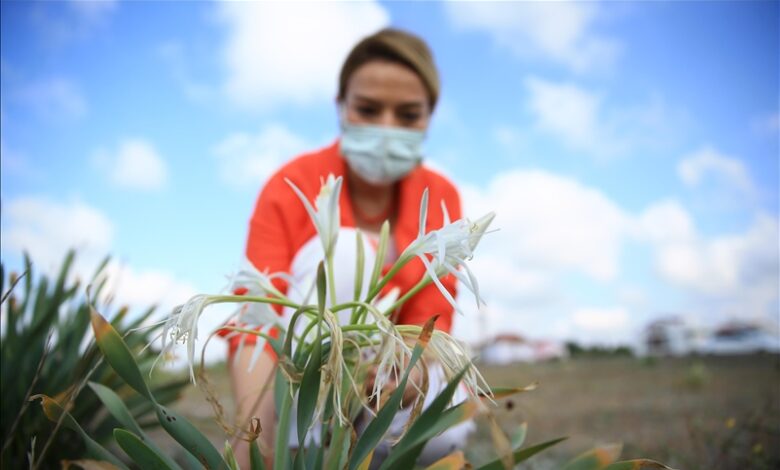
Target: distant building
point(510, 348)
point(741, 338)
point(672, 336)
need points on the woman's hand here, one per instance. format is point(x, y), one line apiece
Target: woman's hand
point(410, 391)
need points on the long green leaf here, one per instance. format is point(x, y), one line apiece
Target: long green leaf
point(282, 392)
point(255, 459)
point(119, 411)
point(595, 459)
point(454, 461)
point(431, 422)
point(230, 457)
point(407, 456)
point(310, 383)
point(145, 456)
point(54, 411)
point(522, 455)
point(518, 438)
point(116, 407)
point(118, 355)
point(190, 438)
point(638, 464)
point(377, 428)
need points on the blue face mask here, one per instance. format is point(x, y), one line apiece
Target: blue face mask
point(381, 155)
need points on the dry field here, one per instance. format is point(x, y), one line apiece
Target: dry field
point(690, 413)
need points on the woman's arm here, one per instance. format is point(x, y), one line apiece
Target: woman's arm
point(254, 397)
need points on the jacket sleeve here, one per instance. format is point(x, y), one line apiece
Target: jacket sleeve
point(268, 245)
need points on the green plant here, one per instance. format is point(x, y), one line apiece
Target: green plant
point(322, 366)
point(45, 349)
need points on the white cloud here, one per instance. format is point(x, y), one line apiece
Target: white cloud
point(135, 164)
point(600, 320)
point(551, 227)
point(247, 160)
point(559, 32)
point(723, 265)
point(291, 52)
point(174, 55)
point(729, 171)
point(54, 98)
point(47, 229)
point(767, 125)
point(78, 21)
point(582, 121)
point(552, 221)
point(93, 11)
point(665, 222)
point(143, 288)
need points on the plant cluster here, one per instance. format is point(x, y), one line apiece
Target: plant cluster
point(45, 348)
point(323, 363)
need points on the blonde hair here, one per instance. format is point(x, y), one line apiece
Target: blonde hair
point(396, 46)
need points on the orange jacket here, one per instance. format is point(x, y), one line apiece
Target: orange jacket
point(280, 226)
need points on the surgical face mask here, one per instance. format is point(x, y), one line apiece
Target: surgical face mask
point(381, 155)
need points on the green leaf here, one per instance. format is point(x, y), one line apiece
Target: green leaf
point(118, 355)
point(518, 438)
point(377, 428)
point(595, 459)
point(282, 392)
point(360, 265)
point(255, 459)
point(190, 438)
point(638, 464)
point(454, 461)
point(310, 383)
point(54, 411)
point(118, 410)
point(116, 407)
point(522, 455)
point(230, 457)
point(145, 456)
point(503, 392)
point(381, 253)
point(310, 388)
point(431, 422)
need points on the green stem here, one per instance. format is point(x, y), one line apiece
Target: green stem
point(220, 299)
point(399, 263)
point(414, 290)
point(331, 281)
point(283, 433)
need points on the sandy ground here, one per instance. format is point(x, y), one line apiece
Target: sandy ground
point(690, 413)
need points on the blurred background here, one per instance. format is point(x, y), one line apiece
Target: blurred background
point(630, 151)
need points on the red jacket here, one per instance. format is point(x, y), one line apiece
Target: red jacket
point(280, 226)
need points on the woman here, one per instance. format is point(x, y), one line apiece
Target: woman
point(388, 89)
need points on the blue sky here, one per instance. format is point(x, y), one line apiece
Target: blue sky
point(629, 149)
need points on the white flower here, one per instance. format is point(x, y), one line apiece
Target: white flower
point(182, 326)
point(451, 246)
point(254, 282)
point(326, 217)
point(453, 357)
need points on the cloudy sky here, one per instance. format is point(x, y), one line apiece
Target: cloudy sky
point(630, 150)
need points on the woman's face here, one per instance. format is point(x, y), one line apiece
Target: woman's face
point(382, 93)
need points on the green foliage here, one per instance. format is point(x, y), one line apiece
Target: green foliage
point(327, 370)
point(46, 348)
point(576, 350)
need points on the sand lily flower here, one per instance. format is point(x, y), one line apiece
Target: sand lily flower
point(450, 247)
point(182, 327)
point(326, 216)
point(453, 357)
